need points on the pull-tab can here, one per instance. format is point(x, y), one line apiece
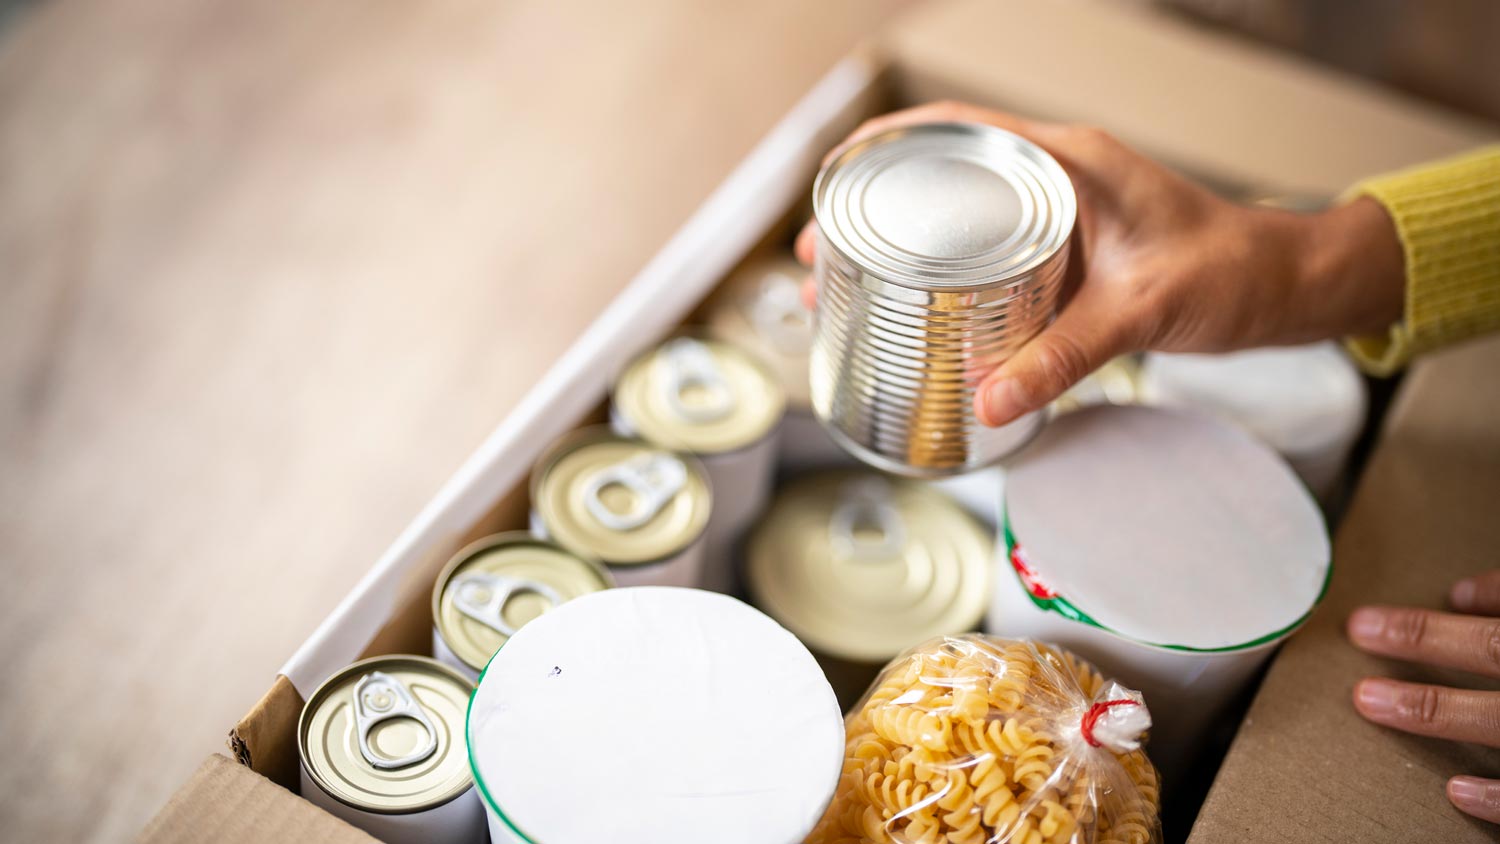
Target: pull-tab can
point(497, 585)
point(382, 747)
point(722, 404)
point(759, 308)
point(861, 567)
point(639, 508)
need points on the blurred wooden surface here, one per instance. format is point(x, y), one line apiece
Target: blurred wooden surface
point(270, 270)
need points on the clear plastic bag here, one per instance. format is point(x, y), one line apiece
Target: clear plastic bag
point(994, 741)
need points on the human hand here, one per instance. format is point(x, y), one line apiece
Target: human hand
point(1158, 262)
point(1469, 641)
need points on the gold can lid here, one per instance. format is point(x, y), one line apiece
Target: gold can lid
point(386, 735)
point(699, 395)
point(620, 500)
point(861, 566)
point(493, 587)
point(760, 309)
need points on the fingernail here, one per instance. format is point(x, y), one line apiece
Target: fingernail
point(1463, 594)
point(1002, 402)
point(1366, 624)
point(1376, 697)
point(1466, 790)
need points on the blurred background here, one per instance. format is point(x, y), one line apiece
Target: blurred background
point(272, 269)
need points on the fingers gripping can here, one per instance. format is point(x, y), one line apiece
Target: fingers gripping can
point(382, 747)
point(723, 405)
point(941, 250)
point(640, 508)
point(497, 584)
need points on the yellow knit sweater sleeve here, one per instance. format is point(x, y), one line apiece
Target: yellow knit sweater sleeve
point(1448, 218)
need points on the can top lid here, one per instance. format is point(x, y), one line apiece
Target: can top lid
point(760, 309)
point(492, 588)
point(383, 735)
point(699, 395)
point(862, 567)
point(945, 205)
point(1169, 527)
point(620, 500)
point(704, 708)
point(1300, 400)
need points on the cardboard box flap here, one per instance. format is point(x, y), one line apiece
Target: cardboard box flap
point(225, 802)
point(1305, 766)
point(712, 241)
point(1209, 102)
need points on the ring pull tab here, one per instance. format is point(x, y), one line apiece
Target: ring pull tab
point(865, 524)
point(779, 315)
point(651, 478)
point(379, 697)
point(691, 367)
point(482, 596)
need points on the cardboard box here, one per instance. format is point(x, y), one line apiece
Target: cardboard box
point(1238, 117)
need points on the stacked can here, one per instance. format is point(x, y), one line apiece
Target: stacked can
point(941, 251)
point(654, 716)
point(639, 508)
point(723, 405)
point(382, 747)
point(862, 567)
point(1170, 548)
point(497, 584)
point(760, 309)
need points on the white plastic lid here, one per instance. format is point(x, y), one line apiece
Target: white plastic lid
point(1168, 527)
point(1302, 400)
point(656, 715)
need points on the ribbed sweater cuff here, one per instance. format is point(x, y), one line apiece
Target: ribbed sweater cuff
point(1447, 215)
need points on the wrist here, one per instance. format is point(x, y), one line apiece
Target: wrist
point(1350, 270)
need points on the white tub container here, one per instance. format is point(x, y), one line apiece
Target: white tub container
point(654, 716)
point(1172, 549)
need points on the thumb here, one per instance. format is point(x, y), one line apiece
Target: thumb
point(1076, 344)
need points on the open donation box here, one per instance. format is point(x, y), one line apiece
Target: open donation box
point(1244, 120)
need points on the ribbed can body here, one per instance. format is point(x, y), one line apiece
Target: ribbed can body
point(923, 291)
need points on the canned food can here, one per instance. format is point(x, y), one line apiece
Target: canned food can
point(861, 567)
point(723, 405)
point(639, 508)
point(941, 250)
point(654, 716)
point(1170, 548)
point(759, 308)
point(1307, 402)
point(381, 744)
point(497, 584)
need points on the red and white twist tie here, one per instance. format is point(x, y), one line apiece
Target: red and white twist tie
point(1116, 722)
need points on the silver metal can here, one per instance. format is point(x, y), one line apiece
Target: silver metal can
point(497, 584)
point(382, 747)
point(640, 508)
point(941, 251)
point(722, 404)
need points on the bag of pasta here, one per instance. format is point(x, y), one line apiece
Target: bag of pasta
point(994, 741)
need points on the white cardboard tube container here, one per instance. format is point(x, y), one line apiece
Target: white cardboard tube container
point(1170, 548)
point(654, 715)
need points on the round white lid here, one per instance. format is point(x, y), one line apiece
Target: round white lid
point(1169, 527)
point(655, 715)
point(1302, 400)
